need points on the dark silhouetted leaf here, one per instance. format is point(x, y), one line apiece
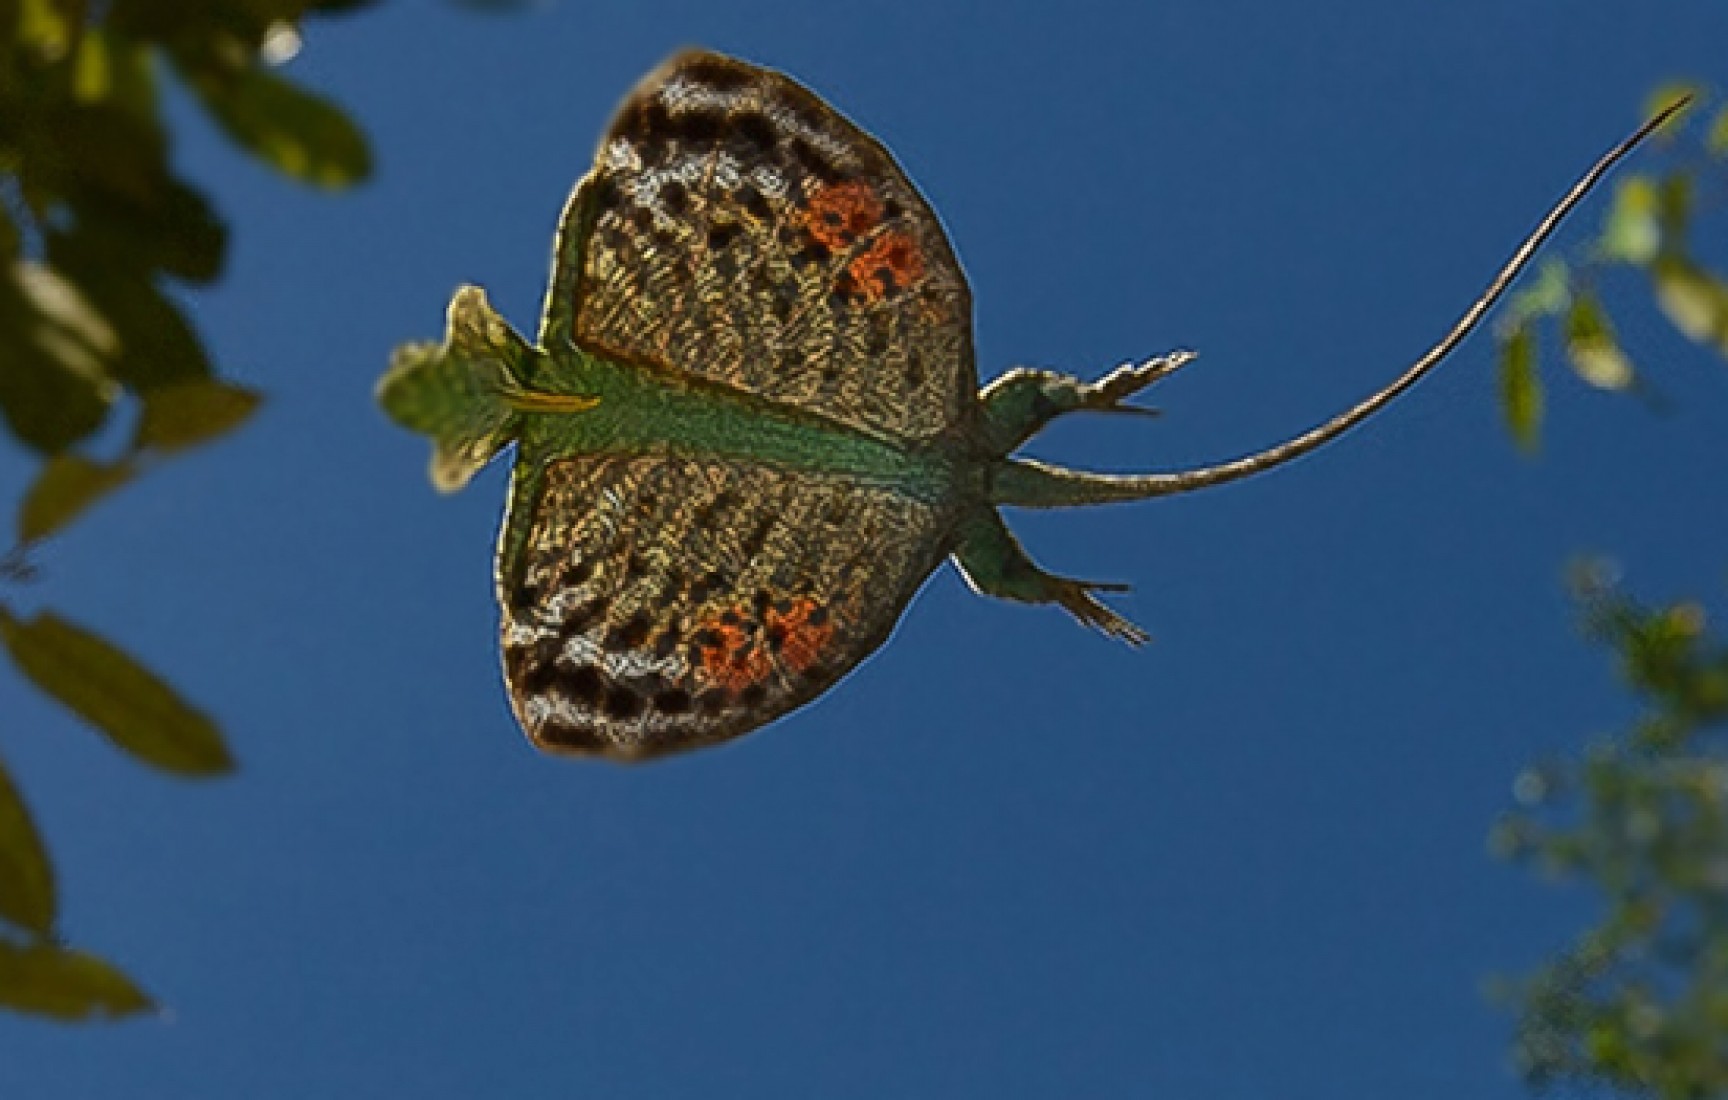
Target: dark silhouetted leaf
point(1592, 348)
point(232, 27)
point(157, 346)
point(1632, 233)
point(8, 238)
point(300, 134)
point(66, 486)
point(131, 705)
point(69, 985)
point(53, 385)
point(175, 230)
point(89, 151)
point(1521, 388)
point(26, 876)
point(191, 413)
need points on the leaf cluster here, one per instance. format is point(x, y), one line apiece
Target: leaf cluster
point(1640, 1001)
point(97, 234)
point(1649, 229)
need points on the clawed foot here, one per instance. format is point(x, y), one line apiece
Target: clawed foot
point(1076, 598)
point(1108, 393)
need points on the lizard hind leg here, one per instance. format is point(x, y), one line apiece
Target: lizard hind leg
point(994, 563)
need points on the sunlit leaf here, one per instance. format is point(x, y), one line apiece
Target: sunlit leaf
point(48, 980)
point(1604, 366)
point(191, 413)
point(1592, 348)
point(1521, 388)
point(92, 69)
point(26, 876)
point(66, 320)
point(1548, 294)
point(1693, 300)
point(107, 688)
point(300, 134)
point(66, 486)
point(1632, 233)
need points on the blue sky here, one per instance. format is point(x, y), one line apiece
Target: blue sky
point(1007, 857)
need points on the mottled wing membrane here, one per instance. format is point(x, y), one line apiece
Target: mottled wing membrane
point(738, 228)
point(621, 641)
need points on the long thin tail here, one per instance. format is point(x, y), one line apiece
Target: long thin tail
point(463, 393)
point(1036, 485)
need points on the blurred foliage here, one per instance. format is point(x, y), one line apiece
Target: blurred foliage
point(1651, 225)
point(1640, 1002)
point(97, 233)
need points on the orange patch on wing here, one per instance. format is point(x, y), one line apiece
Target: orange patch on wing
point(803, 630)
point(892, 262)
point(733, 660)
point(737, 652)
point(840, 213)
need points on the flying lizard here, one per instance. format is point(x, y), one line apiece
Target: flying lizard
point(751, 425)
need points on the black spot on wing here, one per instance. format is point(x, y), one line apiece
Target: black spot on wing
point(715, 72)
point(755, 131)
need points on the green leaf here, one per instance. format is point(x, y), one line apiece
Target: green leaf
point(67, 485)
point(1717, 142)
point(62, 320)
point(110, 67)
point(131, 705)
point(157, 344)
point(1674, 205)
point(78, 151)
point(1592, 348)
point(1549, 294)
point(53, 358)
point(48, 980)
point(92, 69)
point(1693, 300)
point(173, 229)
point(9, 241)
point(1632, 233)
point(1521, 388)
point(42, 26)
point(190, 413)
point(26, 876)
point(300, 134)
point(1665, 95)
